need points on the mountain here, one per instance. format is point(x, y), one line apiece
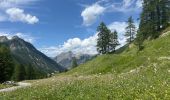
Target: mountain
point(128, 75)
point(25, 53)
point(65, 59)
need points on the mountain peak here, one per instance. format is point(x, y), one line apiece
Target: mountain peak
point(25, 53)
point(65, 58)
point(15, 37)
point(3, 39)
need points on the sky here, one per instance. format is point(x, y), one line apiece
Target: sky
point(56, 26)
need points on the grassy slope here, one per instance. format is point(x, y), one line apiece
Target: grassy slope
point(129, 75)
point(2, 86)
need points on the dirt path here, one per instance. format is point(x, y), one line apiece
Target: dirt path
point(20, 85)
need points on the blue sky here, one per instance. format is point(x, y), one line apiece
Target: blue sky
point(55, 26)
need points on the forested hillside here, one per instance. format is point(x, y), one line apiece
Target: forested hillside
point(11, 70)
point(20, 60)
point(6, 64)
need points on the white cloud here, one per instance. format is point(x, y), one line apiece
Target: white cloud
point(139, 3)
point(85, 46)
point(127, 3)
point(16, 14)
point(13, 10)
point(126, 6)
point(91, 13)
point(120, 28)
point(26, 37)
point(88, 45)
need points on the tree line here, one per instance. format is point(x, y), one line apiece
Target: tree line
point(155, 17)
point(10, 70)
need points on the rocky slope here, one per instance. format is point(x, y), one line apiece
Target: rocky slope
point(65, 59)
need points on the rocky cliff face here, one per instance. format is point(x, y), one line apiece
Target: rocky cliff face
point(65, 59)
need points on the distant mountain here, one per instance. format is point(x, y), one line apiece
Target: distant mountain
point(25, 53)
point(65, 59)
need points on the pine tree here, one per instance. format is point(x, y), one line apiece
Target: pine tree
point(165, 13)
point(6, 64)
point(38, 74)
point(19, 73)
point(130, 30)
point(74, 62)
point(113, 41)
point(103, 39)
point(154, 18)
point(139, 41)
point(30, 72)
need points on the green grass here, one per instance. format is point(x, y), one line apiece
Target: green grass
point(127, 60)
point(127, 76)
point(2, 86)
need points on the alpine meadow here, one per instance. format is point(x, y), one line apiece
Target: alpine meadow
point(85, 50)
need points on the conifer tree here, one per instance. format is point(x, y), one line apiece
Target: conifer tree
point(165, 13)
point(30, 73)
point(113, 41)
point(19, 73)
point(6, 64)
point(139, 41)
point(103, 39)
point(130, 30)
point(154, 18)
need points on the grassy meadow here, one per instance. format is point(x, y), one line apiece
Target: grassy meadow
point(131, 75)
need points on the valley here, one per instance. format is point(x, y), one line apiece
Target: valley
point(85, 50)
point(131, 74)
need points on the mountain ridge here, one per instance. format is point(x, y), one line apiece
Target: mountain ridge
point(25, 53)
point(65, 58)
